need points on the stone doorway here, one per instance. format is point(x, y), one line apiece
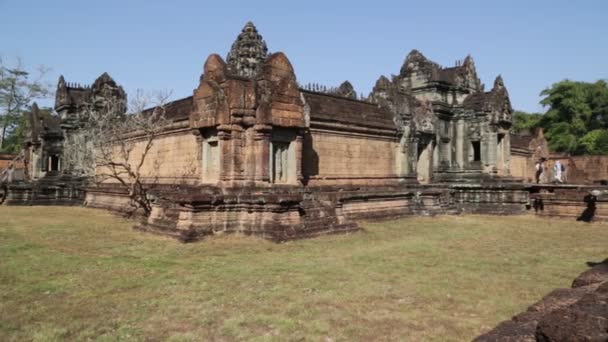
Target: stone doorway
point(54, 164)
point(280, 162)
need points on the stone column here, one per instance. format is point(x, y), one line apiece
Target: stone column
point(491, 149)
point(224, 135)
point(507, 153)
point(412, 157)
point(460, 144)
point(298, 151)
point(262, 152)
point(451, 145)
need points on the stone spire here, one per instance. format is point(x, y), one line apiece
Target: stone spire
point(346, 89)
point(469, 73)
point(248, 52)
point(61, 95)
point(498, 83)
point(417, 62)
point(468, 61)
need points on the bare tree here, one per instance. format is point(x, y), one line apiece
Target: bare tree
point(114, 145)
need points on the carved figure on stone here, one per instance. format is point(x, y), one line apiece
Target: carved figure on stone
point(424, 116)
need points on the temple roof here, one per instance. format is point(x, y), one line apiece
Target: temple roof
point(179, 109)
point(521, 141)
point(495, 99)
point(328, 108)
point(463, 74)
point(41, 122)
point(75, 95)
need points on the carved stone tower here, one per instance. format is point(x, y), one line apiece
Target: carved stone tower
point(249, 116)
point(248, 52)
point(73, 104)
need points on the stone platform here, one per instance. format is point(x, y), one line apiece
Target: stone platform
point(190, 213)
point(44, 192)
point(280, 213)
point(570, 201)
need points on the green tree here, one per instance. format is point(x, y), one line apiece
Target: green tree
point(525, 122)
point(577, 117)
point(17, 92)
point(13, 142)
point(596, 141)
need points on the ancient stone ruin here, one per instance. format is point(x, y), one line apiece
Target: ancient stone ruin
point(255, 152)
point(579, 313)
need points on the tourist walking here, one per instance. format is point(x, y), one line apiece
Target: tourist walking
point(539, 170)
point(557, 172)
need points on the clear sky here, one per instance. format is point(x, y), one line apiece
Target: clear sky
point(162, 45)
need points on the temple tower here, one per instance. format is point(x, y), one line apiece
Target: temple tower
point(249, 116)
point(248, 53)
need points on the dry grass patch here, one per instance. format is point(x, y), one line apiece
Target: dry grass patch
point(81, 274)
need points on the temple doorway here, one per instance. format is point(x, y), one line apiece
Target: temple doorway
point(54, 163)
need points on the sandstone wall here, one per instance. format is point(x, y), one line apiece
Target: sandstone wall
point(174, 158)
point(7, 159)
point(595, 168)
point(522, 166)
point(345, 158)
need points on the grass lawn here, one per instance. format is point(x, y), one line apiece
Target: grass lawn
point(82, 274)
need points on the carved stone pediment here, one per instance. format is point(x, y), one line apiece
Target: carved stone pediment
point(474, 131)
point(423, 118)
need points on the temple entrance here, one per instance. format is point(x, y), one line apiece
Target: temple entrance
point(211, 160)
point(280, 162)
point(475, 151)
point(425, 161)
point(53, 163)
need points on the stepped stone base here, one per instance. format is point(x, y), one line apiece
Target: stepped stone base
point(280, 213)
point(191, 213)
point(54, 191)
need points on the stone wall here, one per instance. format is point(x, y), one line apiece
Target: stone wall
point(574, 202)
point(350, 142)
point(7, 159)
point(175, 158)
point(42, 193)
point(522, 167)
point(348, 158)
point(595, 168)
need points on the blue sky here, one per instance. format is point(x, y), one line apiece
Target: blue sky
point(162, 45)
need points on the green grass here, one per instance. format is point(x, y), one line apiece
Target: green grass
point(81, 274)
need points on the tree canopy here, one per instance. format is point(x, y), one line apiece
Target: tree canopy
point(576, 120)
point(525, 122)
point(17, 91)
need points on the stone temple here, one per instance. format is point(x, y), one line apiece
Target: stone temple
point(255, 152)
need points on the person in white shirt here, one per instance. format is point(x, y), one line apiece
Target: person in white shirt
point(557, 171)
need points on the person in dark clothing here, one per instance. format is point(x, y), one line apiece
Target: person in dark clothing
point(539, 171)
